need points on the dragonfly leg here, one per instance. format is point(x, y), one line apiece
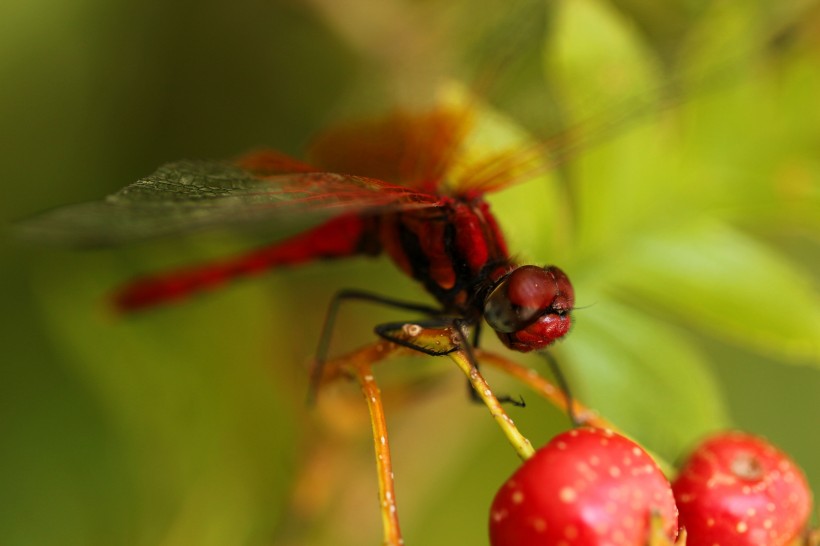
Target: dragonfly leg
point(518, 401)
point(476, 334)
point(563, 384)
point(546, 389)
point(330, 320)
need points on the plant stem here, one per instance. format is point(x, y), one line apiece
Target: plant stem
point(553, 394)
point(384, 465)
point(519, 442)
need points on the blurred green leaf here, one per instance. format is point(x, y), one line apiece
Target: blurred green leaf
point(644, 375)
point(727, 284)
point(197, 418)
point(596, 58)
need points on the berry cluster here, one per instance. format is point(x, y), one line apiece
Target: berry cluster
point(593, 487)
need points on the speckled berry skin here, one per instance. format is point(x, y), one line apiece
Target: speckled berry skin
point(739, 490)
point(585, 487)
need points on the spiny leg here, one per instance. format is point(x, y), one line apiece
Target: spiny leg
point(563, 384)
point(518, 402)
point(545, 389)
point(476, 334)
point(330, 320)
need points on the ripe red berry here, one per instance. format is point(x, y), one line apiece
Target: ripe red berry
point(585, 487)
point(740, 490)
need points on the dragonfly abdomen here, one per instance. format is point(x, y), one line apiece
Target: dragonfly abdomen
point(337, 238)
point(448, 248)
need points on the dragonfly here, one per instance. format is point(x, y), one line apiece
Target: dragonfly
point(410, 199)
point(413, 198)
point(398, 186)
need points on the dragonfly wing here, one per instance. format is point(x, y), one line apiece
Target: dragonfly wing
point(187, 196)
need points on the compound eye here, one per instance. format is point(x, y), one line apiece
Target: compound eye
point(520, 298)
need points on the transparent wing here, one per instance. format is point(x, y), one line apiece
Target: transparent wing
point(186, 196)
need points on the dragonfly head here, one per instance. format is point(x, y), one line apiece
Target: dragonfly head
point(529, 308)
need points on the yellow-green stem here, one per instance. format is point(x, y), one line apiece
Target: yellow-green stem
point(519, 442)
point(384, 465)
point(554, 395)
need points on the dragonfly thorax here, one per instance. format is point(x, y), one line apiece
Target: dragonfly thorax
point(457, 251)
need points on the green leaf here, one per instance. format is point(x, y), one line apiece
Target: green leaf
point(190, 398)
point(643, 375)
point(724, 282)
point(596, 57)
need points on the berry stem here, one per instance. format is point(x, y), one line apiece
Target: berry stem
point(443, 340)
point(519, 442)
point(359, 364)
point(384, 465)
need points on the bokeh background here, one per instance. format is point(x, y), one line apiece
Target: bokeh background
point(688, 220)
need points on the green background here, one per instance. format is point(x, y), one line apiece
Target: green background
point(691, 234)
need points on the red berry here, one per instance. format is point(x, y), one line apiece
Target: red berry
point(585, 487)
point(740, 490)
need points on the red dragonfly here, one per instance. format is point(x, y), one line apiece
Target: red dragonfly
point(410, 198)
point(397, 186)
